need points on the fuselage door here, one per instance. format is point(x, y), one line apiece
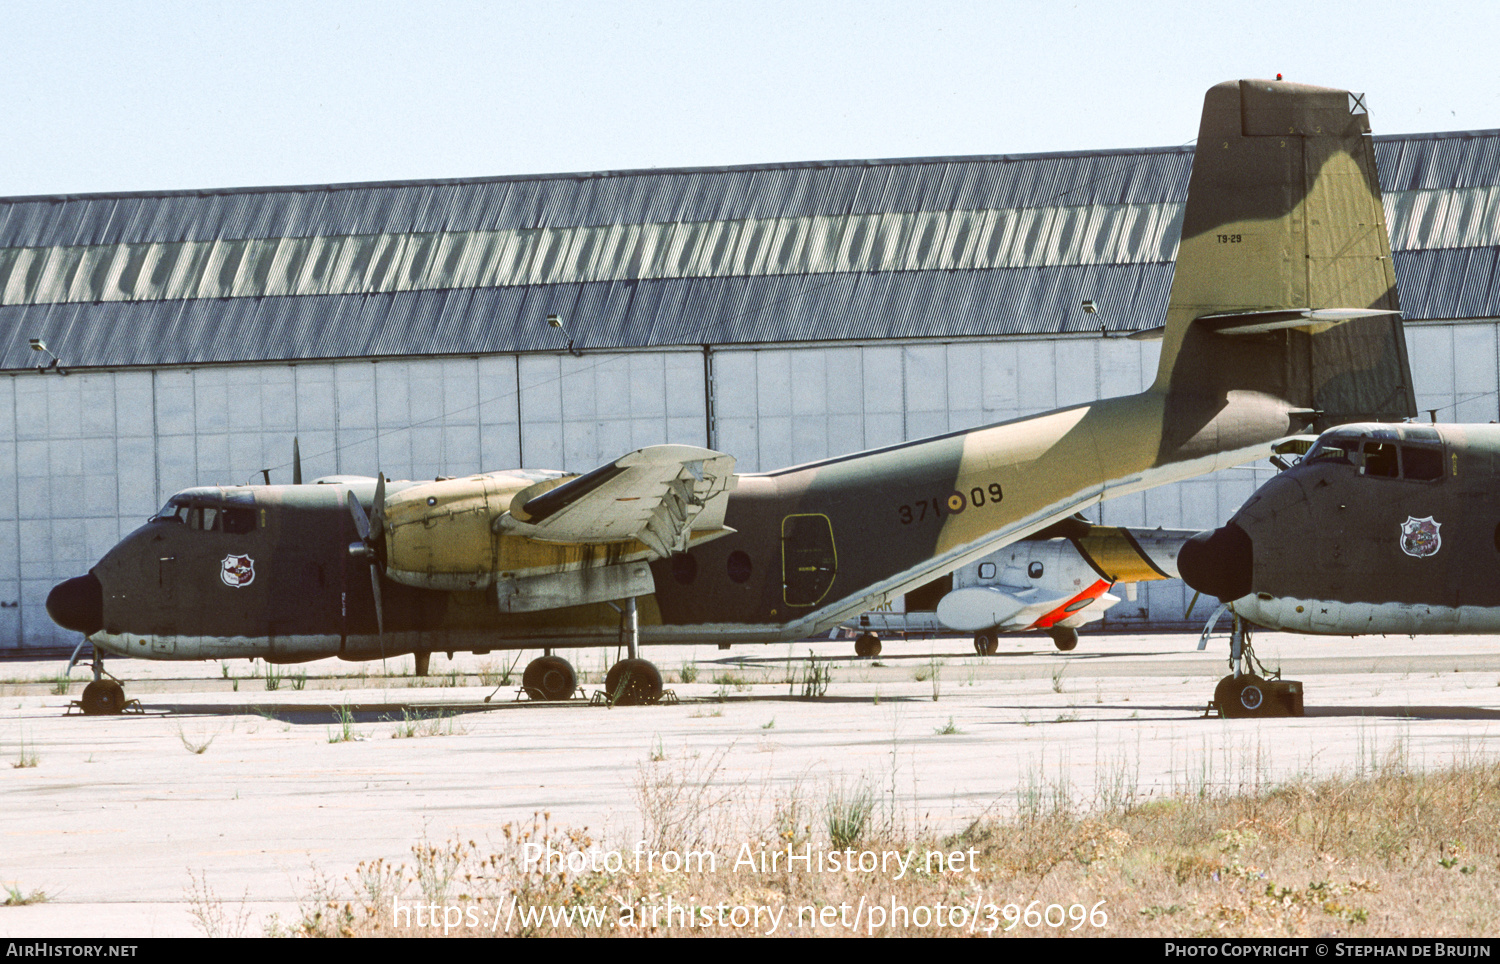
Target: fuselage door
point(809, 562)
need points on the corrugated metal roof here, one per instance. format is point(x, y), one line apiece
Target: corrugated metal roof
point(908, 304)
point(573, 200)
point(937, 247)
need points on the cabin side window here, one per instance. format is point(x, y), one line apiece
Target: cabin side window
point(1421, 464)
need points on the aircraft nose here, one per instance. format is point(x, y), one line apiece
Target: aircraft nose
point(1218, 562)
point(78, 604)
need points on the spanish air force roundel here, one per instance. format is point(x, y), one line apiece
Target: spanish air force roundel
point(1419, 537)
point(239, 571)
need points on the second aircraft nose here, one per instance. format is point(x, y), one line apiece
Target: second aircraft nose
point(78, 604)
point(1219, 562)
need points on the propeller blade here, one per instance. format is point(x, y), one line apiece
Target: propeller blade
point(379, 609)
point(296, 462)
point(377, 509)
point(361, 523)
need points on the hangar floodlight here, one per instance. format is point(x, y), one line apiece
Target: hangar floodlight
point(55, 365)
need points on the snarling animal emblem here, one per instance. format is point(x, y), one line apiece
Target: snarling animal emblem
point(237, 571)
point(1419, 537)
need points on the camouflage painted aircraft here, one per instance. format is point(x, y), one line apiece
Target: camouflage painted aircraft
point(1282, 318)
point(1402, 523)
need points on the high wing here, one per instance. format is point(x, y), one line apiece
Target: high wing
point(660, 495)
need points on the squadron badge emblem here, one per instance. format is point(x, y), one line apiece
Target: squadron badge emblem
point(237, 571)
point(1419, 537)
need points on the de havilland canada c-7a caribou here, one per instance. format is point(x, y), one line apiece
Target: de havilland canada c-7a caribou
point(1282, 320)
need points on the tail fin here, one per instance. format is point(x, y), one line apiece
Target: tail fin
point(1284, 284)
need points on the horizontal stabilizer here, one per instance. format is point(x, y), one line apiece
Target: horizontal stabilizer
point(1310, 319)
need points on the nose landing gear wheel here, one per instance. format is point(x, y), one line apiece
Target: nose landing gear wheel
point(1240, 697)
point(103, 697)
point(867, 645)
point(1066, 640)
point(986, 644)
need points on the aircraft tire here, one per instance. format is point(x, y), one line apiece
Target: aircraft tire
point(549, 678)
point(1242, 697)
point(987, 643)
point(867, 645)
point(1066, 640)
point(633, 682)
point(103, 697)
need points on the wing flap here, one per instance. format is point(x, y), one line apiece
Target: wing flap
point(665, 496)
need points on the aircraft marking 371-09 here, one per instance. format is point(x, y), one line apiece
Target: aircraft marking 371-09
point(1290, 330)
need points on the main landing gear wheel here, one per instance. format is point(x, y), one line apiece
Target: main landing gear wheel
point(103, 697)
point(1066, 640)
point(549, 678)
point(1239, 697)
point(633, 682)
point(867, 645)
point(986, 644)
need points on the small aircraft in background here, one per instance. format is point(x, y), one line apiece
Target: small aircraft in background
point(1378, 529)
point(1282, 317)
point(1055, 581)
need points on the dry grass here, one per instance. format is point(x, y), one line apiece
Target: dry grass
point(1388, 853)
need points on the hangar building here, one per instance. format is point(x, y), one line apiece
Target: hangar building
point(781, 313)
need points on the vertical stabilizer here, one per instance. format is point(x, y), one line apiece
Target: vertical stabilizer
point(1284, 285)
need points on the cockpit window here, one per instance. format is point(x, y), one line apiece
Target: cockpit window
point(1381, 461)
point(209, 511)
point(1322, 452)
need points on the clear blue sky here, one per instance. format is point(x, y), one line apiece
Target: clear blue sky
point(153, 95)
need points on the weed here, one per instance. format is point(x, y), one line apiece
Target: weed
point(769, 724)
point(27, 758)
point(60, 685)
point(658, 750)
point(950, 729)
point(196, 747)
point(683, 807)
point(688, 673)
point(299, 681)
point(492, 677)
point(816, 676)
point(273, 677)
point(16, 897)
point(717, 711)
point(224, 669)
point(848, 813)
point(1057, 677)
point(345, 733)
point(729, 679)
point(236, 684)
point(412, 727)
point(209, 913)
point(936, 666)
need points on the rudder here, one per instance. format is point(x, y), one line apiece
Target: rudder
point(1284, 284)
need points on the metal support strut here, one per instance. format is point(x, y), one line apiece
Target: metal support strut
point(630, 621)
